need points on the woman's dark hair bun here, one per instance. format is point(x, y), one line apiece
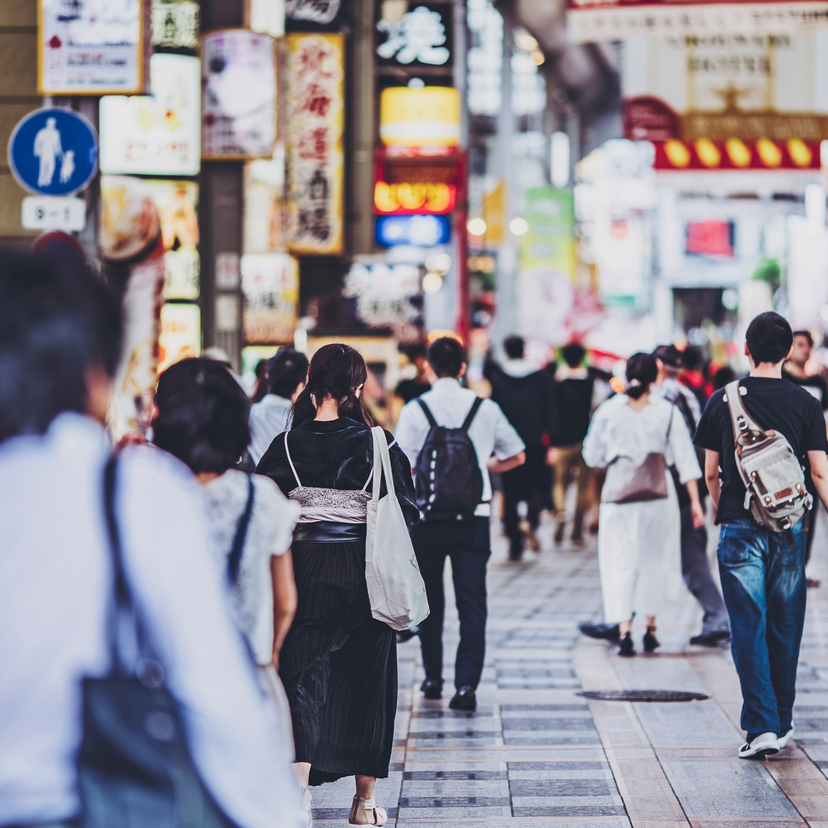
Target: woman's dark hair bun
point(642, 371)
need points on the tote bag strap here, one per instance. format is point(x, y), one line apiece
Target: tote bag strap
point(382, 464)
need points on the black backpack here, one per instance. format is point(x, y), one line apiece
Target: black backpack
point(448, 480)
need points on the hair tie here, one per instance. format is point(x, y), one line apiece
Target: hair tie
point(634, 383)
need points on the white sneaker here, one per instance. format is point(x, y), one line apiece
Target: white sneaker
point(783, 740)
point(765, 744)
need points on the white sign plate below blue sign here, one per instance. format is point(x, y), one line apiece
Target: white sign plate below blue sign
point(54, 152)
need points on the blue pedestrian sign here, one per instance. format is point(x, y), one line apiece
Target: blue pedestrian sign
point(54, 152)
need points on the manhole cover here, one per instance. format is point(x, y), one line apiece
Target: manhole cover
point(643, 695)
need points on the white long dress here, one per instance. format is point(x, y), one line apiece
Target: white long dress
point(639, 555)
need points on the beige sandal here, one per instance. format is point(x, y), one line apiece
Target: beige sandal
point(362, 809)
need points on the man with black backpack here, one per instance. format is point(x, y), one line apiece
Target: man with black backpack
point(450, 435)
point(756, 434)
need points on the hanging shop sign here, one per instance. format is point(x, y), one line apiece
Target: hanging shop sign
point(417, 231)
point(588, 21)
point(238, 111)
point(175, 24)
point(177, 204)
point(53, 152)
point(713, 239)
point(313, 142)
point(726, 86)
point(86, 47)
point(420, 36)
point(267, 16)
point(735, 154)
point(427, 117)
point(313, 12)
point(270, 284)
point(415, 183)
point(385, 297)
point(180, 336)
point(158, 134)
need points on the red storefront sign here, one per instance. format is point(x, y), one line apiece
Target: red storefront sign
point(735, 154)
point(709, 238)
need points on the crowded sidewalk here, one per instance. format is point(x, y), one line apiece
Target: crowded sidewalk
point(536, 754)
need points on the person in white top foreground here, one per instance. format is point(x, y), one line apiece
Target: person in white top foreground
point(59, 340)
point(638, 542)
point(466, 542)
point(286, 376)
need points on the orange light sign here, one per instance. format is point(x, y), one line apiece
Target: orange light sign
point(404, 198)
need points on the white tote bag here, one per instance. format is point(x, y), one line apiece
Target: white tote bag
point(395, 586)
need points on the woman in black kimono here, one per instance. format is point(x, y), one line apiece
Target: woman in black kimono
point(338, 664)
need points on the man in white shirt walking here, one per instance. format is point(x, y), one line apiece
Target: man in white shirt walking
point(60, 334)
point(465, 541)
point(286, 375)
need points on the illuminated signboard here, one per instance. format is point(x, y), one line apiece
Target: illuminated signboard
point(710, 238)
point(418, 231)
point(735, 154)
point(407, 198)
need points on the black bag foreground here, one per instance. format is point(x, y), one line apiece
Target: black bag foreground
point(134, 767)
point(447, 477)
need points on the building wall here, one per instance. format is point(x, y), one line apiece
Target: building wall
point(18, 96)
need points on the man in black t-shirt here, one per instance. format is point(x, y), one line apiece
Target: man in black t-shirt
point(763, 572)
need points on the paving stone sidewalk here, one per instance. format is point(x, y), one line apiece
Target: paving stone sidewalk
point(536, 754)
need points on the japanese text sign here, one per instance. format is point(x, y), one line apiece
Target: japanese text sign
point(270, 283)
point(315, 159)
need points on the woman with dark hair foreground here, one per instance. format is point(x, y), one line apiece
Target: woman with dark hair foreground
point(338, 663)
point(203, 420)
point(639, 438)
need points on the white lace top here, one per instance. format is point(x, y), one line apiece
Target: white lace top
point(269, 533)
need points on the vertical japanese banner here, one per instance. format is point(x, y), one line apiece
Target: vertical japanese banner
point(270, 282)
point(315, 159)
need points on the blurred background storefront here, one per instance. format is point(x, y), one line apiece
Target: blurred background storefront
point(289, 171)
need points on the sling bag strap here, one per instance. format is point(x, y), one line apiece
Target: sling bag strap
point(234, 561)
point(741, 420)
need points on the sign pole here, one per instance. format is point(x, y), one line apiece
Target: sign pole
point(461, 220)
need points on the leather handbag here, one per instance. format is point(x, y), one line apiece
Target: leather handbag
point(396, 589)
point(631, 482)
point(134, 767)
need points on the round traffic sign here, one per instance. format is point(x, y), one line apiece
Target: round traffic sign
point(54, 152)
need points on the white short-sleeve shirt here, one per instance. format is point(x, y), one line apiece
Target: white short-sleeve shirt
point(270, 532)
point(490, 431)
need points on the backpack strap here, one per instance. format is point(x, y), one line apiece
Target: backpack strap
point(741, 420)
point(234, 561)
point(472, 411)
point(427, 411)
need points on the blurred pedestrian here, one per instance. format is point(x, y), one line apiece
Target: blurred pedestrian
point(694, 565)
point(338, 664)
point(762, 569)
point(722, 377)
point(202, 420)
point(637, 437)
point(692, 375)
point(574, 395)
point(524, 393)
point(450, 435)
point(286, 375)
point(63, 543)
point(260, 388)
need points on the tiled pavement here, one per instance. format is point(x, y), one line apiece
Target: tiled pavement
point(536, 754)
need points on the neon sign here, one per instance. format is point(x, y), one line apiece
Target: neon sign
point(407, 198)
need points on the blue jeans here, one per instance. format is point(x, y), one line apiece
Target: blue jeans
point(763, 581)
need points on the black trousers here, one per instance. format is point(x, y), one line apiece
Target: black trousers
point(467, 544)
point(527, 484)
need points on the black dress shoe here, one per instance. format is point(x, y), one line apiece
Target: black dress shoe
point(714, 639)
point(606, 632)
point(464, 699)
point(432, 688)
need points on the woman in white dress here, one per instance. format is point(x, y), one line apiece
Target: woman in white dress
point(638, 540)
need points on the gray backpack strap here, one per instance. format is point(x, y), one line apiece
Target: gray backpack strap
point(741, 420)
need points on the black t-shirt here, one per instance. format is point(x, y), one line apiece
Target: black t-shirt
point(815, 386)
point(773, 404)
